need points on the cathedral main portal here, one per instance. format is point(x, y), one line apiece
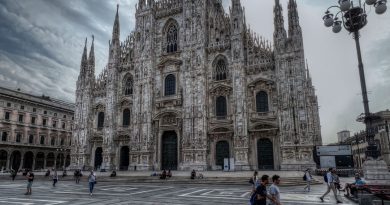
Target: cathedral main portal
point(169, 151)
point(265, 157)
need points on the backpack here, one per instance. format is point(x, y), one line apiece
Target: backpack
point(326, 177)
point(304, 177)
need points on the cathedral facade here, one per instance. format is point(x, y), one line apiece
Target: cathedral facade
point(191, 86)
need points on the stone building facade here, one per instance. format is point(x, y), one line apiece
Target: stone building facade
point(193, 85)
point(35, 131)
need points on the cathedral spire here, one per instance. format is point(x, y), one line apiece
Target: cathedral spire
point(293, 19)
point(280, 31)
point(116, 28)
point(84, 60)
point(91, 59)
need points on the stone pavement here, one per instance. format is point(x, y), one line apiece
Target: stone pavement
point(67, 192)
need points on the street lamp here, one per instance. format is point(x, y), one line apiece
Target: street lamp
point(353, 18)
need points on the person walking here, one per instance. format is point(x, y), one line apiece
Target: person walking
point(30, 179)
point(13, 174)
point(260, 195)
point(91, 182)
point(55, 178)
point(77, 175)
point(274, 191)
point(330, 182)
point(307, 177)
point(255, 180)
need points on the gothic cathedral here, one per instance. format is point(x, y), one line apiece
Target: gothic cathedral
point(192, 86)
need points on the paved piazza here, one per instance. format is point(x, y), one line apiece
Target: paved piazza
point(68, 192)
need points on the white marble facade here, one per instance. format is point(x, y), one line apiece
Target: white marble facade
point(192, 85)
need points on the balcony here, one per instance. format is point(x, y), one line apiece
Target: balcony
point(169, 101)
point(221, 119)
point(258, 116)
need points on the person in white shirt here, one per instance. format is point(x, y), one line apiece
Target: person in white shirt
point(308, 179)
point(330, 185)
point(274, 191)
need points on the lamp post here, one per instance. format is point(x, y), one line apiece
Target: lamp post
point(353, 18)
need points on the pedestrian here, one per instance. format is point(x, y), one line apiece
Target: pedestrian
point(274, 191)
point(55, 178)
point(254, 180)
point(260, 196)
point(307, 177)
point(13, 174)
point(92, 182)
point(77, 175)
point(30, 179)
point(330, 182)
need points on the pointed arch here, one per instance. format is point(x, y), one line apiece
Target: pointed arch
point(220, 66)
point(128, 83)
point(171, 35)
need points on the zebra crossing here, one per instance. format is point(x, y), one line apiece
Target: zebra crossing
point(121, 193)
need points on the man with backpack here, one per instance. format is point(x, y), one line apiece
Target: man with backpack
point(330, 182)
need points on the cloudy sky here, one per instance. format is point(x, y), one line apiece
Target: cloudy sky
point(41, 43)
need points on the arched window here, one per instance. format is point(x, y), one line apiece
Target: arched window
point(170, 85)
point(42, 141)
point(126, 117)
point(100, 120)
point(172, 38)
point(31, 139)
point(262, 102)
point(128, 85)
point(221, 71)
point(221, 107)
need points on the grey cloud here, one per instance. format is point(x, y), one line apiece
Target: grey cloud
point(41, 43)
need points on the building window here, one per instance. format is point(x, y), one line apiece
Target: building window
point(100, 120)
point(34, 109)
point(128, 85)
point(126, 117)
point(54, 124)
point(45, 112)
point(31, 139)
point(62, 141)
point(20, 118)
point(7, 115)
point(33, 120)
point(172, 39)
point(64, 116)
point(4, 136)
point(170, 85)
point(221, 107)
point(22, 107)
point(18, 137)
point(53, 141)
point(262, 102)
point(8, 104)
point(63, 125)
point(221, 71)
point(55, 114)
point(44, 122)
point(42, 140)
